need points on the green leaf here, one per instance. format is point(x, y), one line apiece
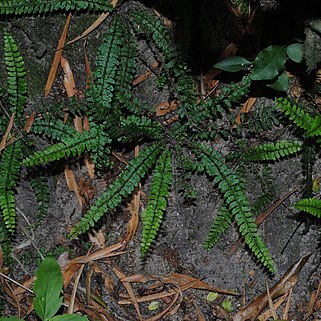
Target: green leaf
point(11, 318)
point(315, 24)
point(281, 83)
point(69, 317)
point(154, 306)
point(268, 63)
point(232, 64)
point(212, 296)
point(295, 52)
point(48, 287)
point(227, 305)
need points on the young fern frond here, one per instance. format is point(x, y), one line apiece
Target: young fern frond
point(73, 145)
point(41, 188)
point(120, 188)
point(236, 201)
point(146, 22)
point(272, 151)
point(222, 222)
point(52, 128)
point(156, 206)
point(100, 94)
point(16, 75)
point(309, 205)
point(310, 124)
point(9, 169)
point(35, 6)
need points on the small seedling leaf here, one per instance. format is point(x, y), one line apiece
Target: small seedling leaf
point(227, 305)
point(48, 287)
point(281, 83)
point(295, 52)
point(212, 296)
point(268, 63)
point(154, 306)
point(69, 317)
point(233, 64)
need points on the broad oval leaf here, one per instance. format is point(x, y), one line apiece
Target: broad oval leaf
point(281, 83)
point(268, 63)
point(295, 52)
point(48, 288)
point(233, 64)
point(69, 317)
point(154, 306)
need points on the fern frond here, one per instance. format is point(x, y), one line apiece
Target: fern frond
point(40, 186)
point(9, 169)
point(273, 151)
point(236, 201)
point(222, 222)
point(100, 94)
point(52, 127)
point(156, 206)
point(310, 124)
point(309, 205)
point(146, 22)
point(73, 145)
point(16, 75)
point(121, 187)
point(35, 6)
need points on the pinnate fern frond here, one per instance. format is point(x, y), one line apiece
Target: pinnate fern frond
point(156, 206)
point(73, 145)
point(273, 151)
point(40, 186)
point(120, 188)
point(222, 222)
point(100, 94)
point(9, 169)
point(146, 22)
point(43, 6)
point(236, 201)
point(16, 75)
point(310, 124)
point(52, 128)
point(309, 205)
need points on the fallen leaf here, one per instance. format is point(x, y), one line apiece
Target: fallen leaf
point(69, 81)
point(29, 122)
point(7, 132)
point(245, 109)
point(72, 184)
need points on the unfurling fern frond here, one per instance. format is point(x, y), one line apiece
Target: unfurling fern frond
point(121, 187)
point(17, 84)
point(221, 224)
point(156, 206)
point(309, 205)
point(40, 186)
point(100, 94)
point(310, 124)
point(9, 169)
point(52, 128)
point(273, 151)
point(146, 22)
point(236, 201)
point(73, 145)
point(44, 6)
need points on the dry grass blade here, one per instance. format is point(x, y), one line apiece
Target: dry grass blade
point(129, 289)
point(141, 78)
point(72, 184)
point(199, 313)
point(265, 316)
point(69, 81)
point(312, 302)
point(56, 61)
point(74, 291)
point(287, 306)
point(288, 281)
point(7, 132)
point(271, 307)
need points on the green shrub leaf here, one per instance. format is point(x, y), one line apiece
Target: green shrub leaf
point(295, 52)
point(48, 287)
point(69, 317)
point(268, 63)
point(281, 83)
point(232, 64)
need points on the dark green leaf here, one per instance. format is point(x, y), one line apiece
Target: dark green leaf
point(232, 64)
point(295, 52)
point(69, 317)
point(281, 83)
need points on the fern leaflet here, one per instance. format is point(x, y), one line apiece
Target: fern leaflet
point(236, 201)
point(309, 205)
point(17, 84)
point(9, 169)
point(273, 151)
point(119, 188)
point(43, 6)
point(156, 206)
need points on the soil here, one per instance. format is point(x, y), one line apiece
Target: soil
point(179, 247)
